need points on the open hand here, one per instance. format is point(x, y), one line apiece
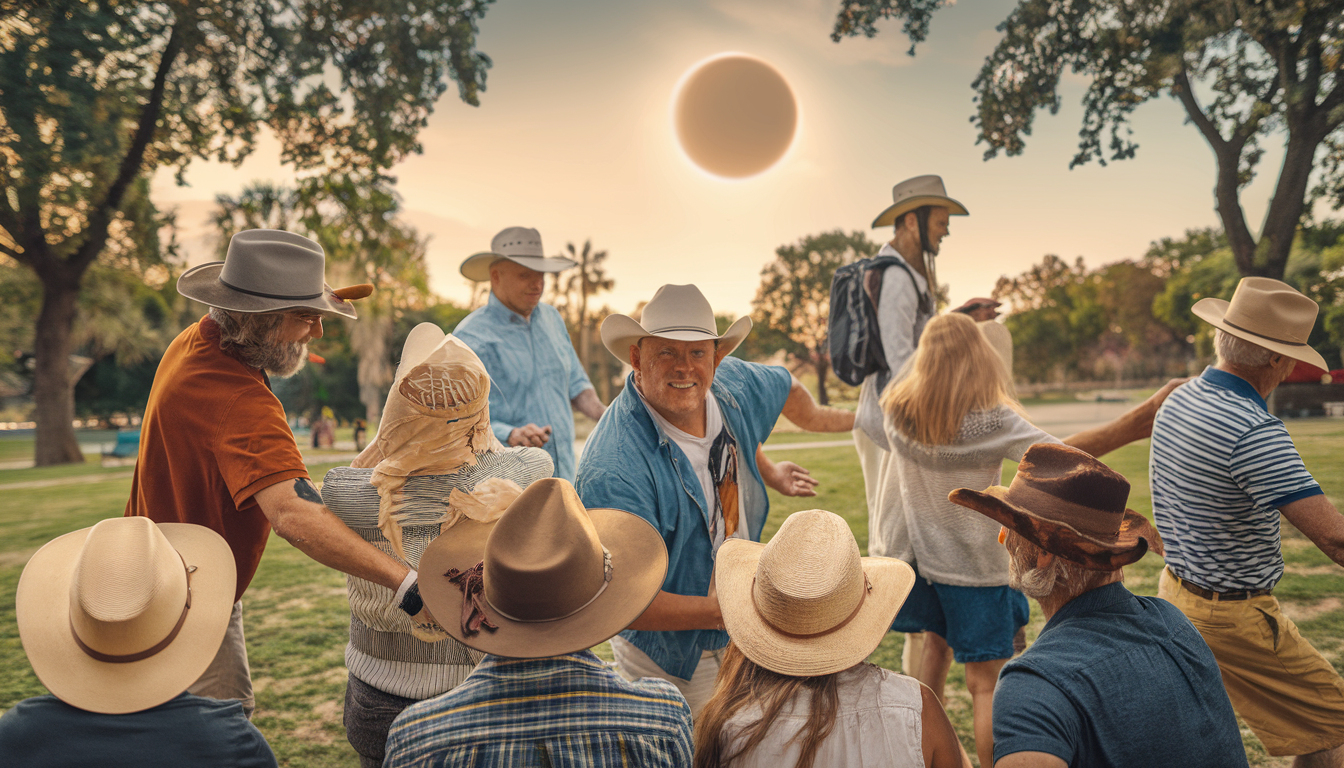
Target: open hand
point(793, 480)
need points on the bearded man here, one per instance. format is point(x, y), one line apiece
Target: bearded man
point(215, 447)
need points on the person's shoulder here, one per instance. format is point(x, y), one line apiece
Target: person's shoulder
point(654, 691)
point(473, 322)
point(739, 374)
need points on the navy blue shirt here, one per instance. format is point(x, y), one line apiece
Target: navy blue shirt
point(1117, 681)
point(45, 732)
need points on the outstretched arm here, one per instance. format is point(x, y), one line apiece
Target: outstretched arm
point(802, 409)
point(1135, 424)
point(786, 477)
point(1319, 521)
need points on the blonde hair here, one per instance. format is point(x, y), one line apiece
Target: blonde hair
point(742, 683)
point(953, 372)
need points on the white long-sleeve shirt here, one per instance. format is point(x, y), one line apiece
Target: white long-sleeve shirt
point(899, 323)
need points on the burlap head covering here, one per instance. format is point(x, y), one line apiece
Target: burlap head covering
point(435, 422)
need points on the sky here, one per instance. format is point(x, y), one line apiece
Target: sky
point(574, 137)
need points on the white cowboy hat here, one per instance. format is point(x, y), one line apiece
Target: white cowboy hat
point(269, 270)
point(547, 578)
point(679, 312)
point(806, 604)
point(1268, 313)
point(916, 193)
point(125, 615)
point(521, 245)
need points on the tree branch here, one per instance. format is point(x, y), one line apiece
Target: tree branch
point(1184, 92)
point(102, 215)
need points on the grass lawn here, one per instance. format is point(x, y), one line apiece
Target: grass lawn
point(297, 615)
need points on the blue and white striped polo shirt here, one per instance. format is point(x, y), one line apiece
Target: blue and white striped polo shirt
point(1221, 467)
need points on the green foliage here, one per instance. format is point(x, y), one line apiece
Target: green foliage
point(862, 16)
point(792, 304)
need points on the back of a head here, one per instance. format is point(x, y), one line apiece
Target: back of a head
point(953, 372)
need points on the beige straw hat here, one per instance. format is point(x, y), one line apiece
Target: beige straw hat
point(806, 604)
point(679, 312)
point(547, 578)
point(125, 615)
point(1268, 313)
point(269, 270)
point(916, 193)
point(521, 245)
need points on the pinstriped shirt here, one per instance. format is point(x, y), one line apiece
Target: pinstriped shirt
point(562, 711)
point(1221, 467)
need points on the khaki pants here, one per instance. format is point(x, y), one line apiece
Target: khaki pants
point(632, 664)
point(1285, 690)
point(228, 676)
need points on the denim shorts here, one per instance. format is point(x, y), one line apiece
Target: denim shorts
point(978, 623)
point(369, 713)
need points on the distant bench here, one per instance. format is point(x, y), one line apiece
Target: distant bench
point(124, 450)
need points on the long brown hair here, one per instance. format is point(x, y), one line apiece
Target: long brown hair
point(741, 683)
point(954, 372)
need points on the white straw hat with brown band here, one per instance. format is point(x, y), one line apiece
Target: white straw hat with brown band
point(127, 614)
point(522, 246)
point(915, 193)
point(548, 577)
point(1269, 313)
point(806, 603)
point(677, 312)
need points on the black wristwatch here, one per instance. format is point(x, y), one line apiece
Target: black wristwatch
point(411, 602)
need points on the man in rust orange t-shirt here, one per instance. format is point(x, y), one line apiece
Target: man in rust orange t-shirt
point(215, 447)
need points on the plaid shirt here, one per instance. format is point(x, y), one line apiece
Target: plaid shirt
point(571, 710)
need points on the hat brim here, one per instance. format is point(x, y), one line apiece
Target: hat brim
point(42, 608)
point(888, 217)
point(620, 332)
point(1135, 538)
point(734, 573)
point(638, 567)
point(477, 266)
point(201, 283)
point(1212, 311)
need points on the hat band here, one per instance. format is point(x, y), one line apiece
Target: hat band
point(606, 579)
point(1081, 518)
point(267, 295)
point(867, 587)
point(145, 654)
point(697, 328)
point(1263, 336)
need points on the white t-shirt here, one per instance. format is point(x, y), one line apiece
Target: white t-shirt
point(697, 452)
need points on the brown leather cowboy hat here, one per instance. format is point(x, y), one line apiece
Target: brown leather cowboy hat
point(547, 578)
point(1070, 505)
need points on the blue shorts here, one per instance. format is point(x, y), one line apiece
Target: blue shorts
point(978, 623)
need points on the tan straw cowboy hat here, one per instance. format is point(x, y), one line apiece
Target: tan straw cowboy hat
point(679, 312)
point(806, 604)
point(1268, 313)
point(269, 270)
point(125, 615)
point(521, 245)
point(1069, 504)
point(547, 578)
point(916, 193)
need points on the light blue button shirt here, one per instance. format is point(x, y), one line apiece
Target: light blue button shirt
point(534, 374)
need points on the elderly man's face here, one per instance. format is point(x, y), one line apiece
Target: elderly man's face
point(299, 327)
point(516, 286)
point(674, 376)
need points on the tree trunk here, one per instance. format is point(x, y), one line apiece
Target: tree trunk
point(368, 340)
point(1285, 209)
point(54, 390)
point(823, 367)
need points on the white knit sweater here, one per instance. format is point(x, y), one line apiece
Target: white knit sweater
point(949, 544)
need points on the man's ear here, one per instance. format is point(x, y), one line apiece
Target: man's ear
point(634, 356)
point(720, 352)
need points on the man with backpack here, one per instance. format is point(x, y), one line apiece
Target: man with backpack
point(895, 291)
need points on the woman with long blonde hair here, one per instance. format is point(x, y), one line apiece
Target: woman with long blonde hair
point(952, 420)
point(793, 691)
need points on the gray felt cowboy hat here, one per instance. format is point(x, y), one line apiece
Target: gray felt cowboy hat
point(521, 245)
point(547, 578)
point(1269, 314)
point(125, 615)
point(269, 270)
point(916, 193)
point(678, 312)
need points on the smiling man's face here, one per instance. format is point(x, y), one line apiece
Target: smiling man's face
point(674, 377)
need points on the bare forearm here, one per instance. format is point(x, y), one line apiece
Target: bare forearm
point(1320, 522)
point(588, 404)
point(802, 409)
point(1135, 424)
point(766, 468)
point(671, 611)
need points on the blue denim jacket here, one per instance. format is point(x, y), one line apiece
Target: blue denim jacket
point(534, 374)
point(629, 463)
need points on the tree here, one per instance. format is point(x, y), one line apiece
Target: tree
point(1268, 66)
point(571, 290)
point(794, 298)
point(97, 95)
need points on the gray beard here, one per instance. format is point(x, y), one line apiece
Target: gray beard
point(280, 360)
point(1035, 583)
